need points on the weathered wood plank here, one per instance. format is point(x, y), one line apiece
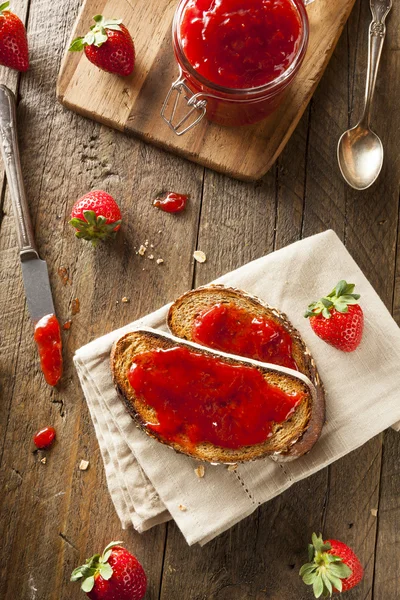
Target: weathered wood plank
point(55, 515)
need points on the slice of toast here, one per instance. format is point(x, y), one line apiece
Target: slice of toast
point(284, 435)
point(183, 313)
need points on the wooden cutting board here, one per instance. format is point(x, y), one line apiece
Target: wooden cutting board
point(133, 104)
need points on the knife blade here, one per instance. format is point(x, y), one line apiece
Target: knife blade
point(37, 287)
point(34, 269)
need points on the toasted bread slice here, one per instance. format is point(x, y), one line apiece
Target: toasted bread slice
point(284, 435)
point(183, 313)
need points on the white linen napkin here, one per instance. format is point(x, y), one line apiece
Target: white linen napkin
point(149, 483)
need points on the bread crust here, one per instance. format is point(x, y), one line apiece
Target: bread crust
point(180, 320)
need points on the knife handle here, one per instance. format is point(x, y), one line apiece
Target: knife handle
point(12, 164)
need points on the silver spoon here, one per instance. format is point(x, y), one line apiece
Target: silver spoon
point(360, 151)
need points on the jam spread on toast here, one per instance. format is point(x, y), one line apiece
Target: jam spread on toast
point(232, 329)
point(48, 339)
point(199, 398)
point(238, 44)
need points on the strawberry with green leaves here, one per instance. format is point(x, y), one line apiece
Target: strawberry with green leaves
point(13, 41)
point(108, 45)
point(114, 575)
point(333, 567)
point(337, 318)
point(96, 217)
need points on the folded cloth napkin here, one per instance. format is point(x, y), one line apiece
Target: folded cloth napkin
point(149, 483)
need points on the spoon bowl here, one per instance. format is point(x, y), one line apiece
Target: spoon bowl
point(360, 156)
point(360, 151)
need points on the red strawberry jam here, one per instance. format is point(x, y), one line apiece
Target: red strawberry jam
point(206, 399)
point(44, 438)
point(231, 329)
point(171, 202)
point(48, 339)
point(241, 44)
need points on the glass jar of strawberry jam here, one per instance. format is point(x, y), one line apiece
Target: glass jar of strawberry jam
point(236, 59)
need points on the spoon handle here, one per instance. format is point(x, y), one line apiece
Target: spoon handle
point(377, 33)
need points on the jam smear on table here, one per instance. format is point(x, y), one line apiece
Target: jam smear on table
point(75, 306)
point(232, 329)
point(44, 438)
point(241, 44)
point(199, 398)
point(171, 202)
point(48, 339)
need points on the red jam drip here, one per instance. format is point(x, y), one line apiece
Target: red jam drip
point(48, 339)
point(241, 44)
point(171, 202)
point(205, 399)
point(44, 438)
point(231, 329)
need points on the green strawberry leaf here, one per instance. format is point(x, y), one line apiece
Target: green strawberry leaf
point(327, 583)
point(350, 298)
point(89, 39)
point(318, 587)
point(340, 570)
point(336, 581)
point(77, 45)
point(88, 584)
point(90, 217)
point(307, 568)
point(4, 6)
point(106, 571)
point(341, 307)
point(111, 545)
point(326, 302)
point(76, 574)
point(311, 552)
point(309, 578)
point(341, 288)
point(99, 38)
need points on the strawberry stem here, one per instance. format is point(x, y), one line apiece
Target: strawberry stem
point(324, 571)
point(340, 298)
point(97, 35)
point(96, 565)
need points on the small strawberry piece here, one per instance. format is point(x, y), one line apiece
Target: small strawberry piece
point(337, 318)
point(333, 567)
point(13, 40)
point(44, 438)
point(96, 216)
point(171, 202)
point(115, 575)
point(108, 45)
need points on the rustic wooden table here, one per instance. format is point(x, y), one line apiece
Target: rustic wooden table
point(54, 515)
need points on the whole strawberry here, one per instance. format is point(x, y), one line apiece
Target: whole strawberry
point(96, 217)
point(337, 318)
point(13, 41)
point(333, 567)
point(115, 575)
point(108, 45)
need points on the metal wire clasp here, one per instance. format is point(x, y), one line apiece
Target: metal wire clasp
point(193, 101)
